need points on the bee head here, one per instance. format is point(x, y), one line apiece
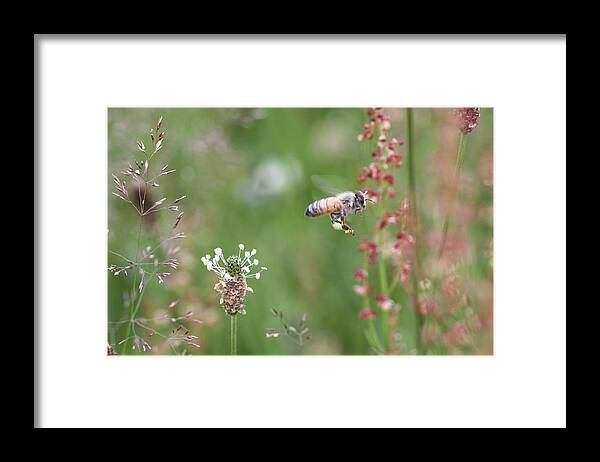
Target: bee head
point(361, 199)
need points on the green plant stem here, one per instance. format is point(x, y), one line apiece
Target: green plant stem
point(366, 305)
point(458, 165)
point(415, 296)
point(233, 335)
point(412, 185)
point(137, 255)
point(375, 336)
point(382, 269)
point(365, 296)
point(412, 177)
point(132, 297)
point(383, 282)
point(395, 280)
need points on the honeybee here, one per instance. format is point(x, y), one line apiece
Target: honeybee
point(338, 207)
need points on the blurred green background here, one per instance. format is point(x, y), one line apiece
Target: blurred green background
point(247, 177)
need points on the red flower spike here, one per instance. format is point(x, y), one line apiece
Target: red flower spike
point(384, 302)
point(387, 219)
point(385, 123)
point(367, 313)
point(394, 159)
point(404, 236)
point(394, 142)
point(365, 244)
point(467, 118)
point(375, 195)
point(360, 290)
point(377, 154)
point(426, 306)
point(456, 335)
point(389, 177)
point(405, 272)
point(360, 274)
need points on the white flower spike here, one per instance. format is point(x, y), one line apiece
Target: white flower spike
point(219, 264)
point(233, 272)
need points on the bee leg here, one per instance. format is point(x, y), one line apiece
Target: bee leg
point(347, 229)
point(338, 222)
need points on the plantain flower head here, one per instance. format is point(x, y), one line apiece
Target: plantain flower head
point(233, 272)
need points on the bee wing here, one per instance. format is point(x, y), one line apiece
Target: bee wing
point(328, 185)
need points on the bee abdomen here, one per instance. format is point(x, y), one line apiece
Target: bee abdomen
point(313, 209)
point(322, 206)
